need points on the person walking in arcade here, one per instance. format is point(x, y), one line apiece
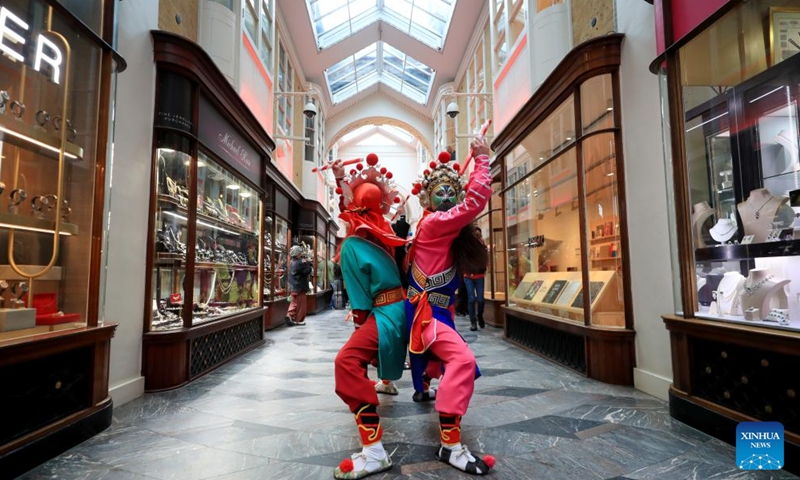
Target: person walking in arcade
point(443, 246)
point(376, 295)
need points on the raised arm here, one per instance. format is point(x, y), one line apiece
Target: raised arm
point(478, 192)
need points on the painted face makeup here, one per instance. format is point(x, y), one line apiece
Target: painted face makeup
point(443, 193)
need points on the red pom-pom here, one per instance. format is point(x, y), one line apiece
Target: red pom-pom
point(383, 170)
point(353, 171)
point(490, 461)
point(372, 159)
point(397, 200)
point(415, 192)
point(433, 164)
point(426, 172)
point(338, 190)
point(360, 167)
point(389, 175)
point(444, 157)
point(418, 186)
point(346, 465)
point(456, 167)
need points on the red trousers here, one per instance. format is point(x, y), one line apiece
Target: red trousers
point(350, 367)
point(297, 309)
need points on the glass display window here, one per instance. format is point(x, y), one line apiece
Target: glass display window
point(544, 241)
point(268, 282)
point(173, 158)
point(321, 256)
point(227, 243)
point(741, 134)
point(483, 223)
point(50, 113)
point(564, 231)
point(280, 258)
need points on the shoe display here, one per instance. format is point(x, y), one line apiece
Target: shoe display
point(424, 396)
point(386, 388)
point(461, 458)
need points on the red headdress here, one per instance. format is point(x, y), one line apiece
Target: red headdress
point(368, 194)
point(439, 173)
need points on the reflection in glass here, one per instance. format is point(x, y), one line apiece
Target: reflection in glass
point(544, 245)
point(606, 292)
point(597, 104)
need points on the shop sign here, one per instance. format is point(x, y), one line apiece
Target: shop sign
point(14, 36)
point(222, 138)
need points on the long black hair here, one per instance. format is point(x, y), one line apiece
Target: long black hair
point(469, 252)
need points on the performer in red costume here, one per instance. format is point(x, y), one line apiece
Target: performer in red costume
point(376, 296)
point(443, 245)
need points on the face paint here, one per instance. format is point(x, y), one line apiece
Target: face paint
point(443, 193)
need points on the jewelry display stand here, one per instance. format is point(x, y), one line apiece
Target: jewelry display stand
point(728, 294)
point(701, 212)
point(723, 231)
point(788, 143)
point(761, 292)
point(760, 211)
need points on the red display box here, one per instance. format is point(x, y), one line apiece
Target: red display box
point(46, 305)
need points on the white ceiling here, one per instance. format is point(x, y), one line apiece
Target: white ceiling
point(445, 63)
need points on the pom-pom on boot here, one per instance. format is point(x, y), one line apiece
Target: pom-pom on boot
point(371, 460)
point(460, 457)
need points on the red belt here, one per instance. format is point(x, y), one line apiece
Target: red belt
point(387, 297)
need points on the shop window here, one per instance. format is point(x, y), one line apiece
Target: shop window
point(250, 19)
point(741, 92)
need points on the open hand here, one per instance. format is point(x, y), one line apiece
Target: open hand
point(480, 146)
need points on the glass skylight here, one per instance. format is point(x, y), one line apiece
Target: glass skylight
point(379, 62)
point(425, 20)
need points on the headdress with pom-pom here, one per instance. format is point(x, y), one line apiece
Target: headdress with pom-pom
point(367, 196)
point(373, 174)
point(439, 173)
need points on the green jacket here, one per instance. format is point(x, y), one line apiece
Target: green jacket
point(367, 270)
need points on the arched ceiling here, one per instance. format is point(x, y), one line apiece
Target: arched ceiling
point(444, 62)
point(377, 121)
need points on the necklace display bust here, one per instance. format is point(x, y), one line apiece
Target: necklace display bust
point(761, 210)
point(728, 292)
point(761, 292)
point(701, 212)
point(723, 230)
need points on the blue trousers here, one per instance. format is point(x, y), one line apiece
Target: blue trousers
point(474, 295)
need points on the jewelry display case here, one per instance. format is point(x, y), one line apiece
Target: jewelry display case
point(731, 90)
point(56, 114)
point(568, 297)
point(312, 231)
point(203, 302)
point(277, 239)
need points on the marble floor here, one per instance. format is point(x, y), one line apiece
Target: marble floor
point(272, 414)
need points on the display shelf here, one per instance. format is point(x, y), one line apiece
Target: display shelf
point(33, 224)
point(36, 139)
point(605, 258)
point(606, 239)
point(179, 262)
point(202, 220)
point(721, 253)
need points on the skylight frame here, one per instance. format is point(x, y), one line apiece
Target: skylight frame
point(406, 16)
point(403, 74)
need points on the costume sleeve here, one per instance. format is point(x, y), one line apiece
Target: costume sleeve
point(478, 192)
point(356, 276)
point(341, 197)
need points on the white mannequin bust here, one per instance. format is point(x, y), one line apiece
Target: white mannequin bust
point(760, 210)
point(700, 213)
point(728, 290)
point(761, 292)
point(723, 230)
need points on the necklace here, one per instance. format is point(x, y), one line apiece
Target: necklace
point(758, 212)
point(750, 290)
point(222, 288)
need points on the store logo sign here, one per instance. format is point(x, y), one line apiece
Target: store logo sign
point(12, 29)
point(238, 151)
point(759, 446)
